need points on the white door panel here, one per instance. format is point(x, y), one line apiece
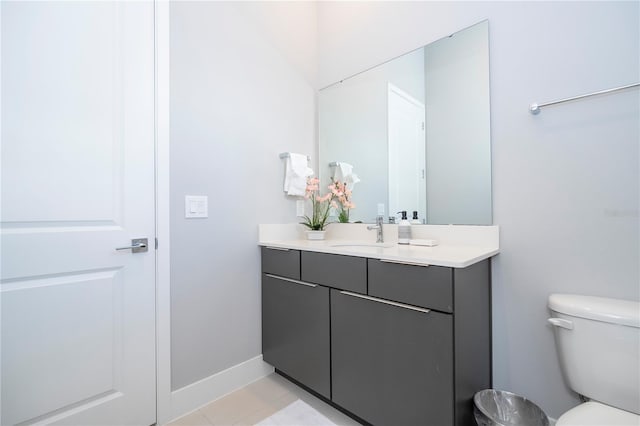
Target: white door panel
point(62, 94)
point(76, 357)
point(78, 317)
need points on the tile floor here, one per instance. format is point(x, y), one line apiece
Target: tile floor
point(257, 401)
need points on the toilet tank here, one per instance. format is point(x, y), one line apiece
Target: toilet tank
point(598, 344)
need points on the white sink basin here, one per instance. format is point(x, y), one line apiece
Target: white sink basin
point(374, 245)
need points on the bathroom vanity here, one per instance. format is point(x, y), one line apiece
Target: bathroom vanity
point(394, 335)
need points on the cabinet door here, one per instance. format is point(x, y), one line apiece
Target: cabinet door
point(391, 364)
point(295, 330)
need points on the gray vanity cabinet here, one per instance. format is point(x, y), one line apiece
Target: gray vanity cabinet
point(394, 344)
point(392, 364)
point(295, 325)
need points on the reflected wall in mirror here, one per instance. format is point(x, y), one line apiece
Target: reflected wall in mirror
point(416, 130)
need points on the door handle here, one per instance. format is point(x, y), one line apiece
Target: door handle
point(138, 245)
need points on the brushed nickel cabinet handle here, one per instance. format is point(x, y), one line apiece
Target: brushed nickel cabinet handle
point(290, 280)
point(386, 302)
point(400, 262)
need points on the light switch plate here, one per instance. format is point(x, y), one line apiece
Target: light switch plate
point(196, 206)
point(300, 208)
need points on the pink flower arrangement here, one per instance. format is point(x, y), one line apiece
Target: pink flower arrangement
point(338, 197)
point(320, 205)
point(344, 204)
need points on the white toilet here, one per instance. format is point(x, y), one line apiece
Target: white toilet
point(598, 343)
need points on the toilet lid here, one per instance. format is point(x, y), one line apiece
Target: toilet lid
point(596, 414)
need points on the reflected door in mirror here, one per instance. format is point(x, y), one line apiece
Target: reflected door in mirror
point(407, 189)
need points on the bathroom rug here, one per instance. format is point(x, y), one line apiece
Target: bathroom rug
point(298, 413)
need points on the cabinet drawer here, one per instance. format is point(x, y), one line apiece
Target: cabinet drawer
point(282, 262)
point(332, 270)
point(427, 286)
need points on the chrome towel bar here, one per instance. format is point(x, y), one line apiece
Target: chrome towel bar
point(535, 108)
point(284, 155)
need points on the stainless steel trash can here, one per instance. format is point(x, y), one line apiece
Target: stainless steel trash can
point(501, 408)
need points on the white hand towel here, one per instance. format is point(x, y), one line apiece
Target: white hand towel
point(344, 173)
point(295, 176)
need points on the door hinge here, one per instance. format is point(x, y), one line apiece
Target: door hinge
point(156, 244)
point(423, 125)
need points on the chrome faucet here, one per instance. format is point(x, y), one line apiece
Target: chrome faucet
point(378, 227)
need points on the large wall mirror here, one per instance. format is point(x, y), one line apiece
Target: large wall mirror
point(416, 130)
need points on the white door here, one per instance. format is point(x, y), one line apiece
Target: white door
point(406, 140)
point(78, 317)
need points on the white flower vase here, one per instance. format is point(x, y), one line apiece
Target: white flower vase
point(315, 235)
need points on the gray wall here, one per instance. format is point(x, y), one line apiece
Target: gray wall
point(240, 95)
point(566, 182)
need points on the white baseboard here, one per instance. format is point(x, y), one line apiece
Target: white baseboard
point(200, 393)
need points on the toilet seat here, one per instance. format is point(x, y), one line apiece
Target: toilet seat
point(597, 414)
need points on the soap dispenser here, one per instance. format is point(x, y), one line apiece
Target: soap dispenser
point(404, 229)
point(415, 220)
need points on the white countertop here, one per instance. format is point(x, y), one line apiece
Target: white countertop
point(452, 251)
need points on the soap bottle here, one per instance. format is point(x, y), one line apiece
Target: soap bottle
point(404, 229)
point(415, 220)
